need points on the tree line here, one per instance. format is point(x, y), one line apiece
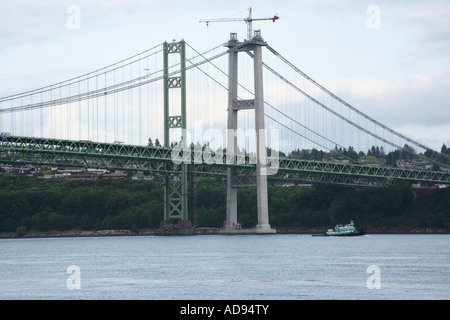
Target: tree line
point(59, 204)
point(374, 154)
point(322, 206)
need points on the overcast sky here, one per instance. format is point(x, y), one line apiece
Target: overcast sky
point(390, 59)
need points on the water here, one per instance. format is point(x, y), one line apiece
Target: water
point(288, 267)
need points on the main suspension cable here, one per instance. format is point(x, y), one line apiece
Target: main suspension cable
point(353, 108)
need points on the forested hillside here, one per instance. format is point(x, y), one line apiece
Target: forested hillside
point(60, 204)
point(395, 207)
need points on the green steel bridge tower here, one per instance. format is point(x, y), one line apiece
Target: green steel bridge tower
point(175, 181)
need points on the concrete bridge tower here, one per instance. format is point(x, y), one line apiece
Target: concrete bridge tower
point(234, 105)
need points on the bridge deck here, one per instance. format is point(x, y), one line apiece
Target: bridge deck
point(68, 153)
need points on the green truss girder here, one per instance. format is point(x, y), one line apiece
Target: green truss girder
point(352, 171)
point(84, 154)
point(39, 151)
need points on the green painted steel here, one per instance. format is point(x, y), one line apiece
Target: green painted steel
point(66, 153)
point(175, 181)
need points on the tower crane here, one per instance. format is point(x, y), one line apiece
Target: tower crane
point(248, 20)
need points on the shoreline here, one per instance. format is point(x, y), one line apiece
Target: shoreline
point(201, 231)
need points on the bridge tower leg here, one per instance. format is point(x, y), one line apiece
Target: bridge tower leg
point(234, 105)
point(176, 182)
point(261, 149)
point(231, 214)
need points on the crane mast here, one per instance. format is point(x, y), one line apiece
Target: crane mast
point(249, 20)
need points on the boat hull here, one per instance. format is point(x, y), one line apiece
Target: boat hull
point(350, 234)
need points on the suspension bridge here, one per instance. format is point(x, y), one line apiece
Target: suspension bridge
point(236, 110)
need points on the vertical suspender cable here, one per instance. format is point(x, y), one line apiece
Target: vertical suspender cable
point(106, 110)
point(139, 106)
point(88, 113)
point(130, 104)
point(96, 106)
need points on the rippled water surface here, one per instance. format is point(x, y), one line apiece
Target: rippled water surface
point(227, 267)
